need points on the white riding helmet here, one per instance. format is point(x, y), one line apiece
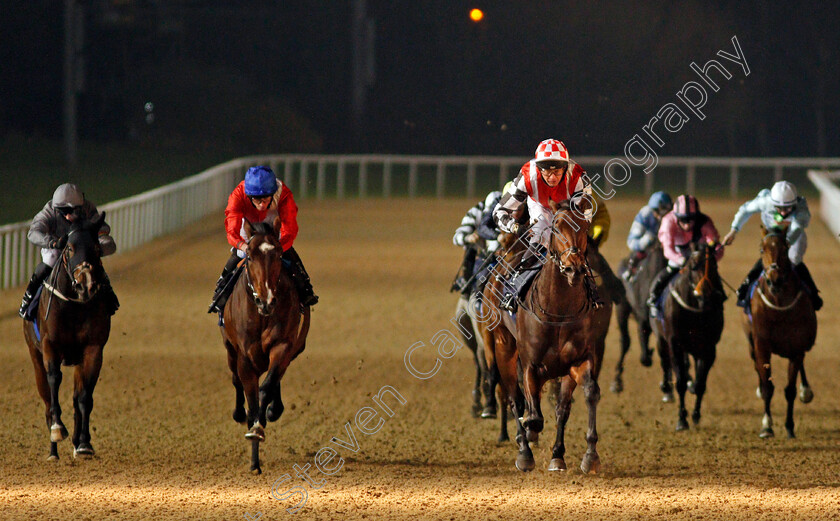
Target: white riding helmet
point(68, 195)
point(783, 193)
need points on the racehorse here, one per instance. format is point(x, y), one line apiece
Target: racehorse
point(557, 334)
point(71, 328)
point(691, 325)
point(264, 330)
point(783, 323)
point(637, 290)
point(471, 335)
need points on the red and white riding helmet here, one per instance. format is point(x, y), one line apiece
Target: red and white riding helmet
point(686, 207)
point(551, 150)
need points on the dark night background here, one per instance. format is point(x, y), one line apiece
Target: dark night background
point(270, 77)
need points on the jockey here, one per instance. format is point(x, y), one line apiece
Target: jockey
point(550, 176)
point(644, 230)
point(251, 200)
point(477, 242)
point(681, 227)
point(780, 207)
point(49, 231)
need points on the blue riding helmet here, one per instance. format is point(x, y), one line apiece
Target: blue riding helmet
point(260, 182)
point(661, 201)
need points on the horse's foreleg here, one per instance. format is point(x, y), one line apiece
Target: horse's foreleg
point(665, 386)
point(680, 367)
point(765, 386)
point(44, 391)
point(794, 366)
point(644, 330)
point(805, 392)
point(491, 378)
point(256, 432)
point(622, 313)
point(532, 383)
point(585, 377)
point(703, 365)
point(506, 357)
point(57, 429)
point(468, 335)
point(561, 412)
point(239, 415)
point(86, 376)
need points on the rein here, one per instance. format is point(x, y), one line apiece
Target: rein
point(775, 307)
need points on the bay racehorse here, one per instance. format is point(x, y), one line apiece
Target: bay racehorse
point(264, 330)
point(71, 328)
point(781, 322)
point(557, 337)
point(691, 325)
point(637, 291)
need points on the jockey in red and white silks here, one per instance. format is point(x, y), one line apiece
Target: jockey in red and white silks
point(550, 176)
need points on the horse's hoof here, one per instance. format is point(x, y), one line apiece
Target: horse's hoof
point(647, 358)
point(525, 462)
point(557, 464)
point(239, 416)
point(273, 413)
point(695, 417)
point(503, 438)
point(532, 436)
point(682, 425)
point(668, 398)
point(256, 433)
point(256, 471)
point(805, 394)
point(475, 411)
point(790, 434)
point(591, 464)
point(766, 433)
point(84, 451)
point(616, 386)
point(58, 433)
point(52, 457)
point(488, 413)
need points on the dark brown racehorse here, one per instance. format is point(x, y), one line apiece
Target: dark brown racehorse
point(264, 330)
point(691, 326)
point(74, 324)
point(557, 337)
point(637, 291)
point(783, 323)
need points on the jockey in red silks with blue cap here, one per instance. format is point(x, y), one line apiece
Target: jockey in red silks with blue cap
point(253, 199)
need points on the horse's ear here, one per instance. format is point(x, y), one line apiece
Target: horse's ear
point(249, 230)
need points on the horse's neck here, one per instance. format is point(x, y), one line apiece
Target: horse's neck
point(788, 289)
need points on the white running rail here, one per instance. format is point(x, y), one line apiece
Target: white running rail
point(826, 183)
point(139, 219)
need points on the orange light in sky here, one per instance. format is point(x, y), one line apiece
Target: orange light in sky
point(476, 15)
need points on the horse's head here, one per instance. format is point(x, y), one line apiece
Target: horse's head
point(774, 257)
point(701, 266)
point(264, 266)
point(569, 226)
point(82, 256)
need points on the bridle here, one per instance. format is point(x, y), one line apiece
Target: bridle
point(697, 287)
point(766, 271)
point(64, 265)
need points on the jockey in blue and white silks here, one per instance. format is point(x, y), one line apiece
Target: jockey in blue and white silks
point(645, 228)
point(477, 239)
point(783, 208)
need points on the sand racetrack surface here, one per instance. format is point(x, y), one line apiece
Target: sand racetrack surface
point(167, 447)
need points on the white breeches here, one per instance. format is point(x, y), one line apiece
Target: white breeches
point(49, 256)
point(797, 249)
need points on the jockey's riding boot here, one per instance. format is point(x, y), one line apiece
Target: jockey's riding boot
point(519, 280)
point(633, 265)
point(301, 279)
point(656, 288)
point(744, 288)
point(466, 270)
point(219, 295)
point(805, 275)
point(111, 301)
point(41, 272)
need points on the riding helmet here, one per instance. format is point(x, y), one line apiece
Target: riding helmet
point(660, 201)
point(686, 207)
point(260, 182)
point(68, 195)
point(551, 152)
point(783, 193)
